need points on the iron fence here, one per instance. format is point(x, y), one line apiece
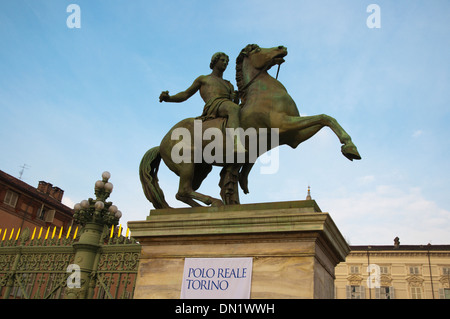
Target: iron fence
point(36, 266)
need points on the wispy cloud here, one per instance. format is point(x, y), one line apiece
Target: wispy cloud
point(68, 202)
point(364, 180)
point(388, 211)
point(417, 133)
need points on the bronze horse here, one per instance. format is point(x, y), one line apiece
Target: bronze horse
point(265, 103)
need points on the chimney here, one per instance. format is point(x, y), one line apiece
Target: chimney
point(53, 191)
point(44, 187)
point(57, 193)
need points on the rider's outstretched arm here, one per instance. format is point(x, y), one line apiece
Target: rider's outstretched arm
point(182, 96)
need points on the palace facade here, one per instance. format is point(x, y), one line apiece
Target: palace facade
point(394, 272)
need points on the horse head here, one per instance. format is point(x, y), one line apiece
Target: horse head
point(254, 60)
point(263, 58)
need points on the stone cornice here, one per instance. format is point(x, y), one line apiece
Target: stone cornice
point(400, 253)
point(251, 220)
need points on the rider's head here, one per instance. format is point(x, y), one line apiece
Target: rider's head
point(216, 56)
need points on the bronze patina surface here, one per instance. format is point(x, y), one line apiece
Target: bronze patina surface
point(264, 104)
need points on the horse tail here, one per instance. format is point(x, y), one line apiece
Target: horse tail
point(148, 171)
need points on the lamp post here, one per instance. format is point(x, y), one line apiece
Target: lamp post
point(95, 216)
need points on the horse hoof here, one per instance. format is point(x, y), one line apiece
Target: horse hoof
point(217, 203)
point(350, 151)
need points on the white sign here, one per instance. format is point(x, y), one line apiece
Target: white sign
point(217, 278)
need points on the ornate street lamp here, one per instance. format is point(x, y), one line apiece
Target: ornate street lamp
point(96, 216)
point(98, 210)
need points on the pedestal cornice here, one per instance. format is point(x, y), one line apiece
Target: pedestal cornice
point(263, 221)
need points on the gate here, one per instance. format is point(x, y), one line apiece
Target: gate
point(37, 266)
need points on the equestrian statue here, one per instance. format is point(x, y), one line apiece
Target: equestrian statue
point(265, 106)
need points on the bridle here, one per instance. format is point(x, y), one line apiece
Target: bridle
point(265, 68)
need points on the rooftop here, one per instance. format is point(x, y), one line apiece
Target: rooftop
point(31, 191)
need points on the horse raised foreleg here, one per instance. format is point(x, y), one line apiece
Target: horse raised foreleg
point(309, 125)
point(307, 133)
point(349, 149)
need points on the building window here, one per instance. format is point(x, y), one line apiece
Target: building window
point(354, 269)
point(41, 213)
point(444, 293)
point(446, 271)
point(356, 292)
point(414, 270)
point(384, 270)
point(384, 293)
point(416, 293)
point(11, 198)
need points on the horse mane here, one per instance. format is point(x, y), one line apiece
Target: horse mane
point(239, 72)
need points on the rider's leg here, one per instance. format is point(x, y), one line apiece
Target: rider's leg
point(232, 112)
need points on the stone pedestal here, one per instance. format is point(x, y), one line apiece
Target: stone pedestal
point(295, 247)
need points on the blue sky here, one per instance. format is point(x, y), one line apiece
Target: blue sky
point(77, 102)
